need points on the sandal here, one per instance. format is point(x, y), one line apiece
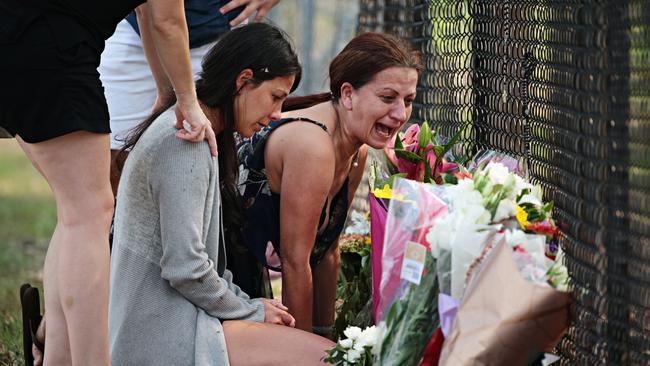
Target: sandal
point(31, 311)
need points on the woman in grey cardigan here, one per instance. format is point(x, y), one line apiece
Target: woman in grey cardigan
point(172, 301)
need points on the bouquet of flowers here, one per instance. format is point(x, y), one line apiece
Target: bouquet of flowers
point(504, 319)
point(356, 349)
point(416, 155)
point(494, 198)
point(529, 314)
point(478, 213)
point(411, 321)
point(354, 284)
point(465, 253)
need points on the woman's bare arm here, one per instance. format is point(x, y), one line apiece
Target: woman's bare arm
point(164, 33)
point(307, 171)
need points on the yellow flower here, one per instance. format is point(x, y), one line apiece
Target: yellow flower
point(385, 192)
point(522, 217)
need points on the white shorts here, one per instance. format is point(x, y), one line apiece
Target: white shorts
point(128, 83)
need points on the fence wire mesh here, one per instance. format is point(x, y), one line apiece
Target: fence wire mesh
point(565, 86)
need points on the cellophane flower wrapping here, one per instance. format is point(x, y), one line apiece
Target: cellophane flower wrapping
point(378, 214)
point(406, 313)
point(413, 211)
point(503, 318)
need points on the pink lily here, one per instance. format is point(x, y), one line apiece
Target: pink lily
point(443, 168)
point(409, 142)
point(411, 135)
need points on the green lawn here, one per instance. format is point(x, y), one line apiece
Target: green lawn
point(27, 219)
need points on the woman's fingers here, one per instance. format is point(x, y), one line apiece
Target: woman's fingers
point(212, 140)
point(276, 313)
point(284, 318)
point(288, 320)
point(260, 7)
point(194, 126)
point(279, 304)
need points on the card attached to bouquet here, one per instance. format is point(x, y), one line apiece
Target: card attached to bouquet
point(413, 262)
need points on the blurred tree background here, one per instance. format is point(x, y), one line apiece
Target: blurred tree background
point(319, 30)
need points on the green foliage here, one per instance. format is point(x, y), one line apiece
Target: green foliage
point(407, 155)
point(354, 289)
point(423, 152)
point(411, 322)
point(10, 339)
point(425, 135)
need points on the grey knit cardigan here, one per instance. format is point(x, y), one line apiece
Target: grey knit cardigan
point(169, 287)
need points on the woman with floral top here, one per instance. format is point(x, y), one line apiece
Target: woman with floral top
point(298, 176)
point(172, 300)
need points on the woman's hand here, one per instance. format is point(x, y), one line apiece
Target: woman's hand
point(276, 313)
point(192, 123)
point(262, 7)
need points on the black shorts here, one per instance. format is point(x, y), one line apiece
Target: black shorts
point(50, 88)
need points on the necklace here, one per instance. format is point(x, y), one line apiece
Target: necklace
point(355, 159)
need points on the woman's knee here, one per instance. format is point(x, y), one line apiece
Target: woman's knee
point(87, 209)
point(331, 260)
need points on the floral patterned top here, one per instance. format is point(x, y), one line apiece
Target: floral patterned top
point(262, 206)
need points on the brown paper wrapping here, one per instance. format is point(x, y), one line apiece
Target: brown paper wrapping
point(504, 319)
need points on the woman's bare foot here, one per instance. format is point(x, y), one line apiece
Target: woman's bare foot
point(40, 337)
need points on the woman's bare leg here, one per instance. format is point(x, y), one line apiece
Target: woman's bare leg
point(252, 343)
point(76, 166)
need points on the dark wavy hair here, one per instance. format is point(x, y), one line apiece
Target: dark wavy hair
point(362, 58)
point(261, 47)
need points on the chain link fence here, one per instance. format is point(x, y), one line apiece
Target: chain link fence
point(565, 87)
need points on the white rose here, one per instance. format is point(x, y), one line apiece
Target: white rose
point(352, 356)
point(352, 333)
point(368, 338)
point(505, 210)
point(345, 343)
point(521, 184)
point(475, 213)
point(359, 346)
point(529, 198)
point(497, 173)
point(440, 235)
point(371, 334)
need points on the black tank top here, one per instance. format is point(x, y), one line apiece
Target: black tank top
point(262, 207)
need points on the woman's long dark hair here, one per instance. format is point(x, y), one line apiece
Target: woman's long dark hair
point(362, 58)
point(260, 47)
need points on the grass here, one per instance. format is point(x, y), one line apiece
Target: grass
point(27, 219)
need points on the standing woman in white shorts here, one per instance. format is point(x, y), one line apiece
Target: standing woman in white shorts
point(129, 84)
point(51, 100)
